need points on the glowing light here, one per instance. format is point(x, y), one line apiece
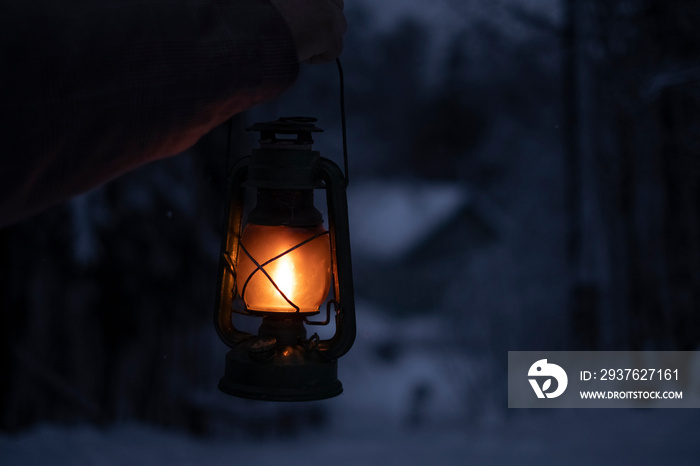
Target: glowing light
point(301, 273)
point(283, 276)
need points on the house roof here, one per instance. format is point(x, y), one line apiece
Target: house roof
point(390, 218)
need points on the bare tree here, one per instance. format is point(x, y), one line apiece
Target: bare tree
point(634, 178)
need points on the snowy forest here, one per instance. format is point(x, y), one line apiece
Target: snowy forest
point(524, 175)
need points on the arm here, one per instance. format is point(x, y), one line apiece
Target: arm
point(90, 89)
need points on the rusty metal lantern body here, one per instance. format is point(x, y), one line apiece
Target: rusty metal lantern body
point(281, 264)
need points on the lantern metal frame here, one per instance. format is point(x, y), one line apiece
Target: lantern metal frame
point(280, 363)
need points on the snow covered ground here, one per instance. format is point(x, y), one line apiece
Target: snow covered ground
point(571, 437)
point(381, 420)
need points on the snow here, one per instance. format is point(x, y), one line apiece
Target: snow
point(370, 424)
point(390, 217)
point(379, 420)
point(571, 437)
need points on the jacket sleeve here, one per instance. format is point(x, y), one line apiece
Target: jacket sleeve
point(90, 89)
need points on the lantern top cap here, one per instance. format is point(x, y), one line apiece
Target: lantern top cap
point(302, 127)
point(288, 125)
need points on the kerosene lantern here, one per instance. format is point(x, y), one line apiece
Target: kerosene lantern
point(279, 262)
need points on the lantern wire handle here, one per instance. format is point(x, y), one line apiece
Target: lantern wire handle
point(341, 79)
point(342, 119)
